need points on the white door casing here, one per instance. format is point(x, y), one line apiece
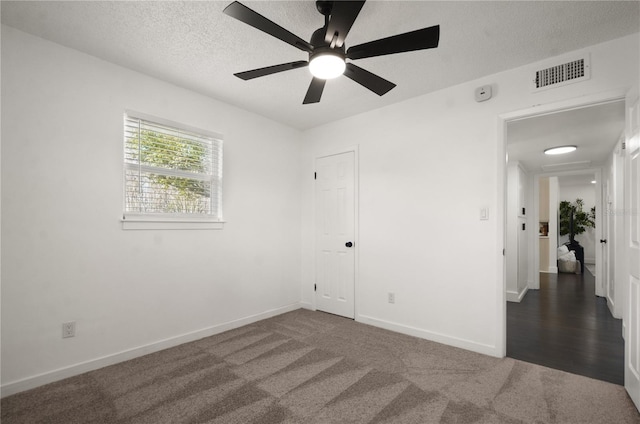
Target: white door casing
point(632, 245)
point(599, 250)
point(335, 234)
point(617, 264)
point(502, 189)
point(607, 246)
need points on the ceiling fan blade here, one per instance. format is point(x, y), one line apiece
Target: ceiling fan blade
point(315, 91)
point(256, 20)
point(368, 80)
point(343, 15)
point(426, 38)
point(261, 72)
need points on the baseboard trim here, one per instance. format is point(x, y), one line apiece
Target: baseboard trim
point(18, 386)
point(515, 296)
point(307, 305)
point(524, 292)
point(612, 308)
point(512, 296)
point(430, 335)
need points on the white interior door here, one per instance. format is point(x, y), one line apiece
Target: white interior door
point(632, 241)
point(335, 225)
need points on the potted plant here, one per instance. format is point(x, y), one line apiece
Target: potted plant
point(574, 220)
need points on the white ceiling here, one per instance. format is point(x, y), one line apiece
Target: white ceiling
point(194, 45)
point(577, 180)
point(594, 130)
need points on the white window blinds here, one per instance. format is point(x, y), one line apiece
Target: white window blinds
point(171, 172)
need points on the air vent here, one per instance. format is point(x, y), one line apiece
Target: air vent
point(567, 166)
point(574, 70)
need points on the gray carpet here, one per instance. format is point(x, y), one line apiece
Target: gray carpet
point(314, 368)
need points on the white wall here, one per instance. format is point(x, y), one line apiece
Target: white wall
point(65, 256)
point(427, 165)
point(586, 192)
point(543, 216)
point(516, 254)
point(553, 224)
point(511, 256)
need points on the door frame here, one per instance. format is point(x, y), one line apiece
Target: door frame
point(599, 258)
point(619, 228)
point(356, 223)
point(631, 270)
point(501, 194)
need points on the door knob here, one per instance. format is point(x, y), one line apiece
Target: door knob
point(603, 240)
point(348, 244)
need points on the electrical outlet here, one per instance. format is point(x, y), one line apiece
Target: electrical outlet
point(68, 329)
point(392, 298)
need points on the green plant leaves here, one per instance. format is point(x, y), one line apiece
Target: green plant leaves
point(581, 219)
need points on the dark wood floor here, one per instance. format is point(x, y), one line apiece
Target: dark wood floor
point(565, 326)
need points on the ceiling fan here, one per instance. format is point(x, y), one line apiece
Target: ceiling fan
point(327, 51)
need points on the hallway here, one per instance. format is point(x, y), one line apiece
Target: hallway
point(565, 326)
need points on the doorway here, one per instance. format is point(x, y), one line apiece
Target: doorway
point(595, 129)
point(566, 204)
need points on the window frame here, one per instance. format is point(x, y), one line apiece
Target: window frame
point(170, 221)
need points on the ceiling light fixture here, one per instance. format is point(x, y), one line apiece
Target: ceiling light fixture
point(327, 51)
point(560, 150)
point(327, 63)
point(593, 182)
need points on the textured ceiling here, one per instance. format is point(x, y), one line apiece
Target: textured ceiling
point(194, 45)
point(594, 130)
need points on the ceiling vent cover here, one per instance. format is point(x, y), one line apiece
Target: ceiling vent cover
point(574, 70)
point(566, 166)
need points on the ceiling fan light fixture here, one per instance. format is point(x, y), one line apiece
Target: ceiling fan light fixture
point(560, 150)
point(327, 65)
point(327, 51)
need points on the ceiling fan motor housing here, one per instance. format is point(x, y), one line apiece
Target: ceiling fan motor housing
point(320, 46)
point(324, 7)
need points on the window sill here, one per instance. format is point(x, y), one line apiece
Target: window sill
point(170, 224)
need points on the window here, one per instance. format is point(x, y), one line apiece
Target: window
point(172, 175)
